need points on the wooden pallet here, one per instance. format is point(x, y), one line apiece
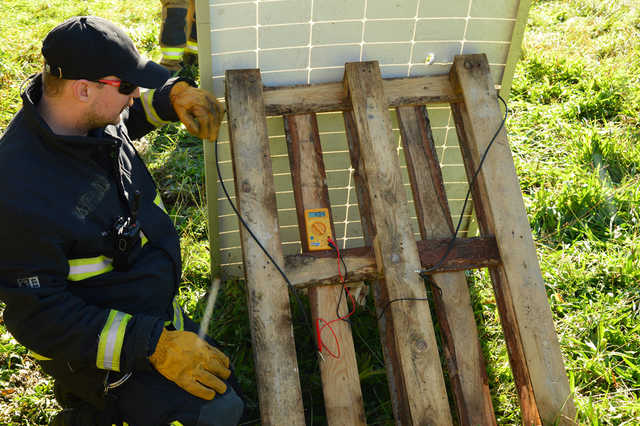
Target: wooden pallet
point(392, 255)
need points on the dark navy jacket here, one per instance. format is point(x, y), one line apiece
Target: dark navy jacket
point(59, 199)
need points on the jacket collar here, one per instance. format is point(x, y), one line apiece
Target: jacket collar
point(31, 95)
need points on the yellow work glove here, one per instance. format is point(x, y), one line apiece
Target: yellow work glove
point(197, 109)
point(191, 363)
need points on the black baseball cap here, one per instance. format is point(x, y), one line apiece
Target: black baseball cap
point(89, 47)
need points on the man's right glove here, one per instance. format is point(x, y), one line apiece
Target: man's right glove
point(191, 363)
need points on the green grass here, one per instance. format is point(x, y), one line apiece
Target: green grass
point(575, 134)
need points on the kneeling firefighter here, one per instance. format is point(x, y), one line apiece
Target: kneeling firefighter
point(90, 260)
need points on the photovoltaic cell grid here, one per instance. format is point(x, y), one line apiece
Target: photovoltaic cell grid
point(308, 42)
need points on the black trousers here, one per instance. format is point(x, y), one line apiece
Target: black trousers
point(178, 33)
point(145, 399)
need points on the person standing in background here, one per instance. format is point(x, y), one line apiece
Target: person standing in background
point(178, 35)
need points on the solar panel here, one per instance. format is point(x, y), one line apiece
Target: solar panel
point(309, 41)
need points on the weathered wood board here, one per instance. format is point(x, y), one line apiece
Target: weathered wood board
point(417, 371)
point(461, 347)
point(391, 257)
point(520, 291)
point(339, 372)
point(268, 296)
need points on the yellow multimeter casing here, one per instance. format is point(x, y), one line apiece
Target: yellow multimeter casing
point(318, 225)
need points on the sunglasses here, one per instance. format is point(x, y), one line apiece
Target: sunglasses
point(124, 87)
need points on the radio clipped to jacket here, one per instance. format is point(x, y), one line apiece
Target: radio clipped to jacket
point(126, 237)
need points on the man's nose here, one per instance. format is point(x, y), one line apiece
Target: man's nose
point(134, 94)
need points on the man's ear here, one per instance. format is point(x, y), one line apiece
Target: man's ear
point(81, 90)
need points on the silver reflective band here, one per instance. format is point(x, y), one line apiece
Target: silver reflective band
point(172, 53)
point(146, 97)
point(158, 202)
point(111, 339)
point(177, 315)
point(192, 47)
point(80, 269)
point(143, 239)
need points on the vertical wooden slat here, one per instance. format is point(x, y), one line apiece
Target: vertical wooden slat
point(527, 321)
point(340, 379)
point(425, 176)
point(368, 233)
point(268, 299)
point(418, 374)
point(467, 373)
point(529, 410)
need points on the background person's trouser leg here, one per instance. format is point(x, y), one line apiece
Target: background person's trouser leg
point(191, 49)
point(173, 32)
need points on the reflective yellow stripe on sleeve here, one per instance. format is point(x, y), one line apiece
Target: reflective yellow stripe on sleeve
point(143, 239)
point(146, 97)
point(111, 339)
point(158, 202)
point(81, 269)
point(172, 53)
point(177, 321)
point(38, 356)
point(177, 316)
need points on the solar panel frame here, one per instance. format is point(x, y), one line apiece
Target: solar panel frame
point(308, 42)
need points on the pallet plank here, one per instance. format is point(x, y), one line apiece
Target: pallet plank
point(316, 269)
point(521, 291)
point(452, 304)
point(331, 97)
point(418, 378)
point(378, 288)
point(340, 379)
point(528, 407)
point(268, 298)
point(413, 368)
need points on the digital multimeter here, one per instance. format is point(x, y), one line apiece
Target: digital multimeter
point(318, 226)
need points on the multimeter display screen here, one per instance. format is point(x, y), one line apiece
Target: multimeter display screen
point(316, 214)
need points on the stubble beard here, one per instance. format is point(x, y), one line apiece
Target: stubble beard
point(94, 120)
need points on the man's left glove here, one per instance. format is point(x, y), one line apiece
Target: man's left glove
point(198, 110)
